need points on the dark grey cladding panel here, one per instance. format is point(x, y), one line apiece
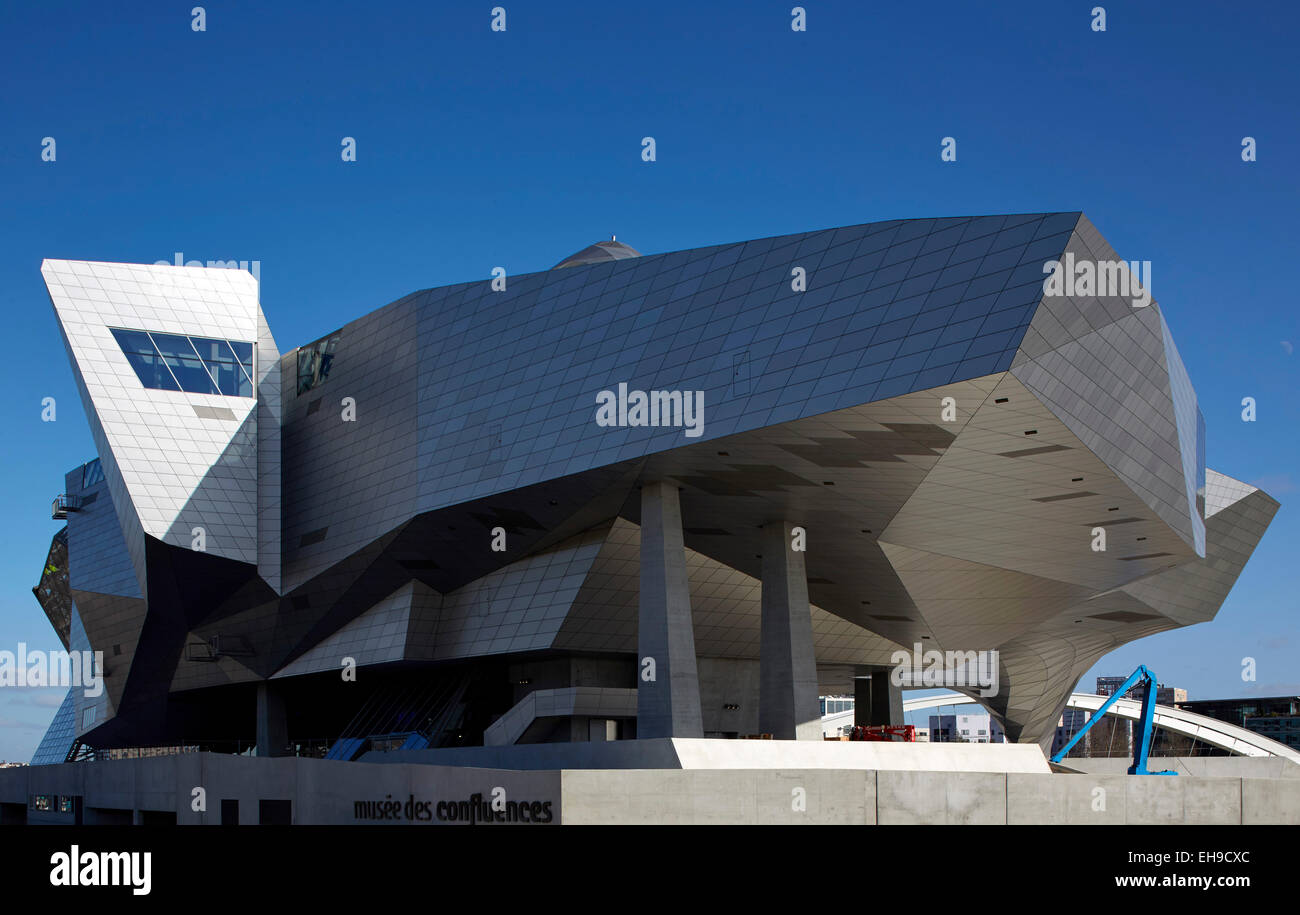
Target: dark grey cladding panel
point(1063, 318)
point(1111, 388)
point(54, 746)
point(354, 479)
point(98, 558)
point(112, 624)
point(508, 380)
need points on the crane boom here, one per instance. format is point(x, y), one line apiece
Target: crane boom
point(1145, 726)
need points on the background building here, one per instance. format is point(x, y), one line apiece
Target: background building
point(1275, 717)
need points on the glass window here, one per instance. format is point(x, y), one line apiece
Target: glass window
point(196, 365)
point(314, 362)
point(91, 473)
point(225, 370)
point(185, 364)
point(144, 359)
point(244, 356)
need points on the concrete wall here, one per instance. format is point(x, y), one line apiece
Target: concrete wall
point(728, 681)
point(325, 791)
point(1124, 799)
point(319, 791)
point(703, 796)
point(1211, 766)
point(967, 798)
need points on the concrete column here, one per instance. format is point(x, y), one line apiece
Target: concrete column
point(877, 700)
point(886, 700)
point(668, 705)
point(861, 701)
point(272, 722)
point(787, 678)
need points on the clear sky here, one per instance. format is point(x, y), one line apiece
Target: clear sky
point(478, 148)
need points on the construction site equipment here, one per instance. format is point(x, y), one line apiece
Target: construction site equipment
point(903, 733)
point(1144, 730)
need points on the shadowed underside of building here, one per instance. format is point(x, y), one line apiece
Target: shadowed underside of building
point(414, 533)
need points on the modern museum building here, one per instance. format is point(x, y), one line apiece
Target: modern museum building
point(589, 517)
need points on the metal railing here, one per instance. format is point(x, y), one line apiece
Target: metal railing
point(64, 503)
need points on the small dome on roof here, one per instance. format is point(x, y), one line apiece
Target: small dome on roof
point(601, 251)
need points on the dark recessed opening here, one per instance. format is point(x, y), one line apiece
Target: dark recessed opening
point(1115, 509)
point(1076, 479)
point(1002, 400)
point(866, 530)
point(724, 454)
point(1142, 538)
point(827, 483)
point(1031, 432)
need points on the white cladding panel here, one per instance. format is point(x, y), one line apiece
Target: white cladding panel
point(186, 460)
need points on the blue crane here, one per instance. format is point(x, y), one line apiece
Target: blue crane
point(1145, 730)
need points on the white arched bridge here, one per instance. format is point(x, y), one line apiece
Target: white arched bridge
point(1236, 740)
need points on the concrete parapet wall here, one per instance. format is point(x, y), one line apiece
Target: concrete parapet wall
point(327, 791)
point(717, 797)
point(1209, 766)
point(941, 798)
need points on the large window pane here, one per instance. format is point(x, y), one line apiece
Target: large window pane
point(134, 341)
point(144, 359)
point(314, 362)
point(152, 372)
point(243, 354)
point(184, 363)
point(220, 360)
point(196, 365)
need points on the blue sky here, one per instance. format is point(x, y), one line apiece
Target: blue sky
point(477, 149)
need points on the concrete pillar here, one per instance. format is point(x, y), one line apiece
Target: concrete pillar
point(272, 722)
point(668, 705)
point(787, 669)
point(886, 700)
point(861, 701)
point(877, 700)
